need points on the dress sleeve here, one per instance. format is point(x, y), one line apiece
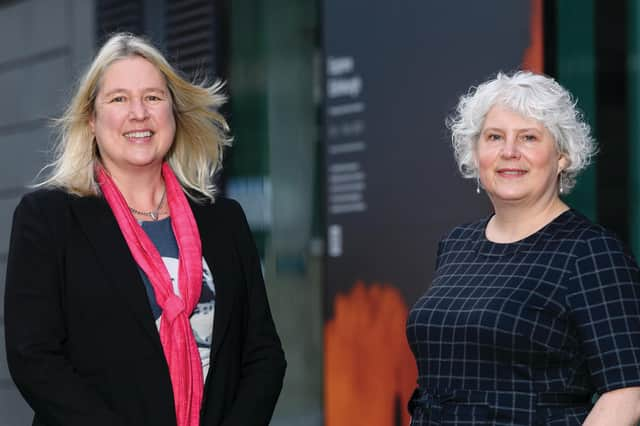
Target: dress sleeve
point(263, 362)
point(35, 328)
point(604, 298)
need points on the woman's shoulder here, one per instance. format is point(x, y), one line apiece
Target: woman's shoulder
point(45, 197)
point(44, 210)
point(466, 231)
point(221, 205)
point(587, 238)
point(223, 211)
point(573, 225)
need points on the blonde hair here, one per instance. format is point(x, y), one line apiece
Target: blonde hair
point(201, 131)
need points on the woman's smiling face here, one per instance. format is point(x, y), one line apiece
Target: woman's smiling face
point(133, 119)
point(517, 158)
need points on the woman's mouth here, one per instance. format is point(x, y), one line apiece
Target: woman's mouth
point(138, 135)
point(509, 173)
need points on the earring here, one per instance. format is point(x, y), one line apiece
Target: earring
point(477, 184)
point(561, 185)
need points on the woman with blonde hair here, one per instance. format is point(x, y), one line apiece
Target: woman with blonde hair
point(533, 309)
point(121, 260)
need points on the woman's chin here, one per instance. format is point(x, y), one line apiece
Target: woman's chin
point(510, 197)
point(142, 162)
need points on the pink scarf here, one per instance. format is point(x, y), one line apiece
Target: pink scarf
point(176, 335)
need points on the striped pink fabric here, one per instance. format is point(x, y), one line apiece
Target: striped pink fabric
point(176, 335)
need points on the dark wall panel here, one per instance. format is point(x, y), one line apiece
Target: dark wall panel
point(392, 75)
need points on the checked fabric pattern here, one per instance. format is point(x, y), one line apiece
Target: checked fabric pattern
point(524, 333)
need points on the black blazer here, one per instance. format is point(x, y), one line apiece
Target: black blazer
point(82, 345)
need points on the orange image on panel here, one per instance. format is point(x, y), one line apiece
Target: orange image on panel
point(370, 371)
point(534, 55)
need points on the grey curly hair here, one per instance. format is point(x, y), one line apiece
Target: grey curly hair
point(534, 96)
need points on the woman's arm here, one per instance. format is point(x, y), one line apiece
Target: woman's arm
point(35, 327)
point(263, 362)
point(620, 407)
point(604, 299)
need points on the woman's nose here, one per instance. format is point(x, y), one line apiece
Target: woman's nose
point(510, 148)
point(137, 109)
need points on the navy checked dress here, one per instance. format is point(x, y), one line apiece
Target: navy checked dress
point(524, 333)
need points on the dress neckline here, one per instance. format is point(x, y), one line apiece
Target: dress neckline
point(490, 248)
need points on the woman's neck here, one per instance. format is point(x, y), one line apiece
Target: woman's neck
point(143, 189)
point(514, 222)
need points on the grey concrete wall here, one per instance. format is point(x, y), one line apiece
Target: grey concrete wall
point(44, 44)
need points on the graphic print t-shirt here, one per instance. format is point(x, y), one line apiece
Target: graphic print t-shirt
point(161, 234)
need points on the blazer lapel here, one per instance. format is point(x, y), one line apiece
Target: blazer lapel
point(217, 249)
point(112, 252)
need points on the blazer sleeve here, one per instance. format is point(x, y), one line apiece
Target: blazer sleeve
point(35, 323)
point(263, 362)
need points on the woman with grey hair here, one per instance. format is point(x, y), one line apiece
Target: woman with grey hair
point(534, 309)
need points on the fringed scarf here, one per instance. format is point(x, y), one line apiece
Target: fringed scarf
point(176, 335)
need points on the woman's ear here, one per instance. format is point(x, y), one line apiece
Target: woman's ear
point(563, 163)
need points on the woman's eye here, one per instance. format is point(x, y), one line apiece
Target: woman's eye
point(118, 99)
point(529, 138)
point(493, 137)
point(153, 98)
